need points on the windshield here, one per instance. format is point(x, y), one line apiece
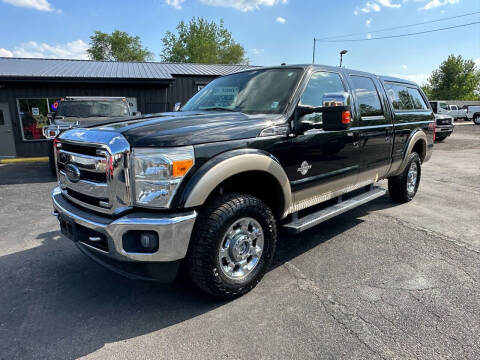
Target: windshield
point(92, 108)
point(260, 91)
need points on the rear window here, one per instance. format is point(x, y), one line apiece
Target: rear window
point(367, 96)
point(417, 99)
point(403, 97)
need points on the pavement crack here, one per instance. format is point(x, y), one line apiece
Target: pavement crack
point(432, 233)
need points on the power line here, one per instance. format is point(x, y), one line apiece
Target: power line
point(399, 27)
point(401, 35)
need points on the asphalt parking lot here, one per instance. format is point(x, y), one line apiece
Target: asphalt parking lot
point(382, 281)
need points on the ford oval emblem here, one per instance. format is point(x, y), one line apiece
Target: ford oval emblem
point(72, 172)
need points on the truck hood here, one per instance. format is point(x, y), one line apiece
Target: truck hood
point(86, 122)
point(190, 128)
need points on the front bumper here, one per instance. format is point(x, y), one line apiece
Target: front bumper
point(101, 238)
point(444, 129)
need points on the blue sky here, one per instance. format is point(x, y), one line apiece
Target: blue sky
point(272, 31)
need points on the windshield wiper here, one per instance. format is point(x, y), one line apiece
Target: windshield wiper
point(219, 108)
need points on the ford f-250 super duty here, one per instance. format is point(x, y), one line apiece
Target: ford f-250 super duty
point(206, 187)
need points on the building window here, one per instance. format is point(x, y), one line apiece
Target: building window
point(200, 87)
point(33, 114)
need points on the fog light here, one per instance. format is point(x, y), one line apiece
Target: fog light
point(149, 240)
point(135, 241)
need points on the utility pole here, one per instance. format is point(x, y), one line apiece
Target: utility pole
point(314, 41)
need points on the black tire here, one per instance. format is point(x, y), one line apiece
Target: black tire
point(440, 138)
point(51, 159)
point(476, 119)
point(397, 185)
point(203, 263)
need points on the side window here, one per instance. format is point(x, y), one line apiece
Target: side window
point(443, 106)
point(399, 97)
point(417, 99)
point(367, 96)
point(319, 84)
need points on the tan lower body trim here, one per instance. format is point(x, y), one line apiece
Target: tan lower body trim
point(317, 199)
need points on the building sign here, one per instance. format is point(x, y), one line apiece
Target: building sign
point(35, 111)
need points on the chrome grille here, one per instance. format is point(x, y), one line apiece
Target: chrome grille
point(93, 169)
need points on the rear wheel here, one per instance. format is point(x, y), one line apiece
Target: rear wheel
point(232, 246)
point(402, 188)
point(440, 138)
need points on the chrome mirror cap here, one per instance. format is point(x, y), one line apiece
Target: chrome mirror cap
point(336, 99)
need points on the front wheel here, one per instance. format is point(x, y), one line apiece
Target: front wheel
point(440, 138)
point(402, 188)
point(232, 245)
point(476, 120)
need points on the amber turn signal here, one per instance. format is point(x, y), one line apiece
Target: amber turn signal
point(180, 167)
point(346, 118)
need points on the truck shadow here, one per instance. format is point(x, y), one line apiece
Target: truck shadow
point(58, 303)
point(25, 174)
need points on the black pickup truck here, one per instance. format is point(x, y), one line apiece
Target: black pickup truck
point(205, 188)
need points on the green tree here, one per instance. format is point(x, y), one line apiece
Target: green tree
point(455, 79)
point(203, 42)
point(117, 46)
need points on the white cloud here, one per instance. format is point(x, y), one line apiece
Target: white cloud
point(420, 79)
point(280, 20)
point(256, 51)
point(355, 12)
point(370, 6)
point(42, 5)
point(72, 50)
point(376, 6)
point(432, 4)
point(404, 67)
point(243, 5)
point(177, 4)
point(368, 22)
point(477, 62)
point(388, 3)
point(369, 36)
point(5, 53)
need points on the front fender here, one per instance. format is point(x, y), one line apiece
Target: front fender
point(225, 165)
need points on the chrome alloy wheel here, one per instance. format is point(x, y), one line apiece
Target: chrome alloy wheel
point(241, 248)
point(412, 178)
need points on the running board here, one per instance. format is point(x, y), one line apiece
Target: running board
point(318, 217)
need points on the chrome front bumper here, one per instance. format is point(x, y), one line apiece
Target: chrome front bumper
point(443, 128)
point(173, 231)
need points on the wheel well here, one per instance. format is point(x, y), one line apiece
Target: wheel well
point(420, 149)
point(256, 183)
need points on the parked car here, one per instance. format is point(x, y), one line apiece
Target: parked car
point(441, 107)
point(473, 113)
point(81, 111)
point(206, 188)
point(444, 126)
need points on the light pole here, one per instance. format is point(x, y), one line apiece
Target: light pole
point(343, 52)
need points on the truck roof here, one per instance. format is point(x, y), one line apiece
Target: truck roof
point(335, 68)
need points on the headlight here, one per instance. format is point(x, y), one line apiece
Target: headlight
point(158, 172)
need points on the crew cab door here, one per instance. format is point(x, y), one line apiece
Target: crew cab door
point(323, 161)
point(375, 127)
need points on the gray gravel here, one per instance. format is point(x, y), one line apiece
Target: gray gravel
point(382, 281)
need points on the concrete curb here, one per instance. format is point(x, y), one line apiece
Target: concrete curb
point(24, 160)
